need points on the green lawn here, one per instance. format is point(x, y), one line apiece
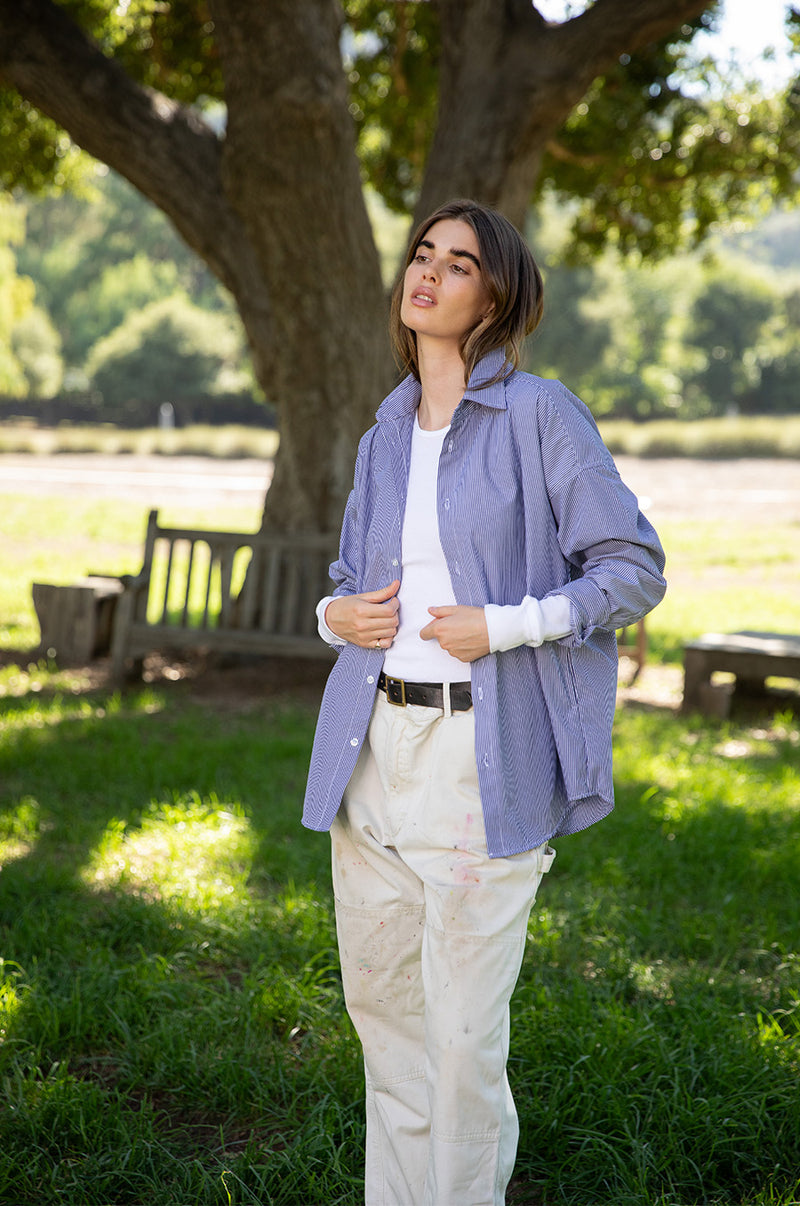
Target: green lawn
point(171, 1023)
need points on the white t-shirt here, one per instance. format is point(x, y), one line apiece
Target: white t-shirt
point(425, 582)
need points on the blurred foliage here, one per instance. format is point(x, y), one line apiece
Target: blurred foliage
point(689, 337)
point(169, 350)
point(660, 154)
point(659, 149)
point(36, 345)
point(164, 44)
point(16, 296)
point(94, 263)
point(94, 257)
point(392, 63)
point(665, 146)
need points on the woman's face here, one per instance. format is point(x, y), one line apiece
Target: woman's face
point(444, 294)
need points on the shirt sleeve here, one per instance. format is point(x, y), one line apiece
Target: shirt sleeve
point(327, 634)
point(615, 556)
point(531, 622)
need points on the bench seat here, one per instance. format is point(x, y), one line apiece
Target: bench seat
point(230, 592)
point(752, 657)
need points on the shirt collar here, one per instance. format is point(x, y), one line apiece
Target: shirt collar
point(404, 398)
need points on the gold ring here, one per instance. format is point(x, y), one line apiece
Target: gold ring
point(378, 644)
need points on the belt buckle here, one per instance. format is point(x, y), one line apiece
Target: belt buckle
point(396, 691)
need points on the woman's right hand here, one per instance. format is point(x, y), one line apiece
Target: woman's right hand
point(369, 620)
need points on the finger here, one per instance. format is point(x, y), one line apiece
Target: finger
point(441, 612)
point(427, 633)
point(380, 596)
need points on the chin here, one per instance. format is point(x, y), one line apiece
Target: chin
point(411, 320)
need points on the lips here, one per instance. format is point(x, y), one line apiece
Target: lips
point(423, 297)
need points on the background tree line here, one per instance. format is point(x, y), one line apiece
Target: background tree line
point(254, 129)
point(105, 314)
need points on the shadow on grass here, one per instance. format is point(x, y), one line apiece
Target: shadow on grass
point(172, 1022)
point(171, 1010)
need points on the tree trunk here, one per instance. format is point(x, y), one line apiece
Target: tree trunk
point(291, 171)
point(275, 208)
point(509, 80)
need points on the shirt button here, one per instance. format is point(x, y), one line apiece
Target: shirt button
point(354, 741)
point(457, 570)
point(450, 446)
point(370, 678)
point(395, 562)
point(447, 504)
point(480, 692)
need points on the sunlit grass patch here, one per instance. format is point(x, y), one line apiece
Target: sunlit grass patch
point(10, 996)
point(35, 676)
point(174, 1024)
point(194, 850)
point(46, 703)
point(58, 540)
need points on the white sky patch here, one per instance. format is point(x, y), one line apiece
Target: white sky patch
point(746, 31)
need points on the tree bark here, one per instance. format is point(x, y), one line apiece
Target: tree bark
point(290, 168)
point(275, 208)
point(509, 80)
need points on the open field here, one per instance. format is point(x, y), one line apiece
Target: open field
point(731, 530)
point(171, 1022)
point(731, 436)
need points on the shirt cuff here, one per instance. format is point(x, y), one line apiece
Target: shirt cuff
point(327, 634)
point(531, 622)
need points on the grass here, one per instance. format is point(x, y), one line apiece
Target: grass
point(726, 577)
point(171, 1021)
point(230, 441)
point(730, 437)
point(42, 540)
point(740, 436)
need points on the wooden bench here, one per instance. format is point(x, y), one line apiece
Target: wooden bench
point(223, 591)
point(752, 657)
point(633, 647)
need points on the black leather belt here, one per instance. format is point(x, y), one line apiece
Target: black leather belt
point(430, 695)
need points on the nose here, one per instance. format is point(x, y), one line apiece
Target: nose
point(429, 272)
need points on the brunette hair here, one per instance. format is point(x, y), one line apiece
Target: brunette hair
point(511, 277)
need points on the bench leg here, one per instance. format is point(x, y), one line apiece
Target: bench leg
point(696, 676)
point(123, 619)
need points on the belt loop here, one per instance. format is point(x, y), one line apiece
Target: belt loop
point(448, 711)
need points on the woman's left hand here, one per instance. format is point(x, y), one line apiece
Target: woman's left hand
point(461, 631)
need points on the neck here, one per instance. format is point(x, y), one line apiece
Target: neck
point(441, 373)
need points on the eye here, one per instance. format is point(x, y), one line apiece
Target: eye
point(420, 257)
point(460, 269)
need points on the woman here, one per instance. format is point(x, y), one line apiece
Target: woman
point(489, 551)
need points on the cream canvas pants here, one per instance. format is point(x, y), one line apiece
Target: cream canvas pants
point(431, 937)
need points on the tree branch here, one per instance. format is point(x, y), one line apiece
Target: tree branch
point(614, 27)
point(509, 80)
point(162, 147)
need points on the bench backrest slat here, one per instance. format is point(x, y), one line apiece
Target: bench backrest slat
point(268, 582)
point(189, 569)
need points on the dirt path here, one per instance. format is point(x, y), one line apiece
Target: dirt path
point(730, 491)
point(742, 493)
point(156, 480)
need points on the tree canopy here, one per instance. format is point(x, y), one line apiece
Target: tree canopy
point(253, 127)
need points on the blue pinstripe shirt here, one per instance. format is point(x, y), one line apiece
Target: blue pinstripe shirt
point(529, 503)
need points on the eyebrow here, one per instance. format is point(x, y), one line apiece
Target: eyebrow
point(457, 251)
